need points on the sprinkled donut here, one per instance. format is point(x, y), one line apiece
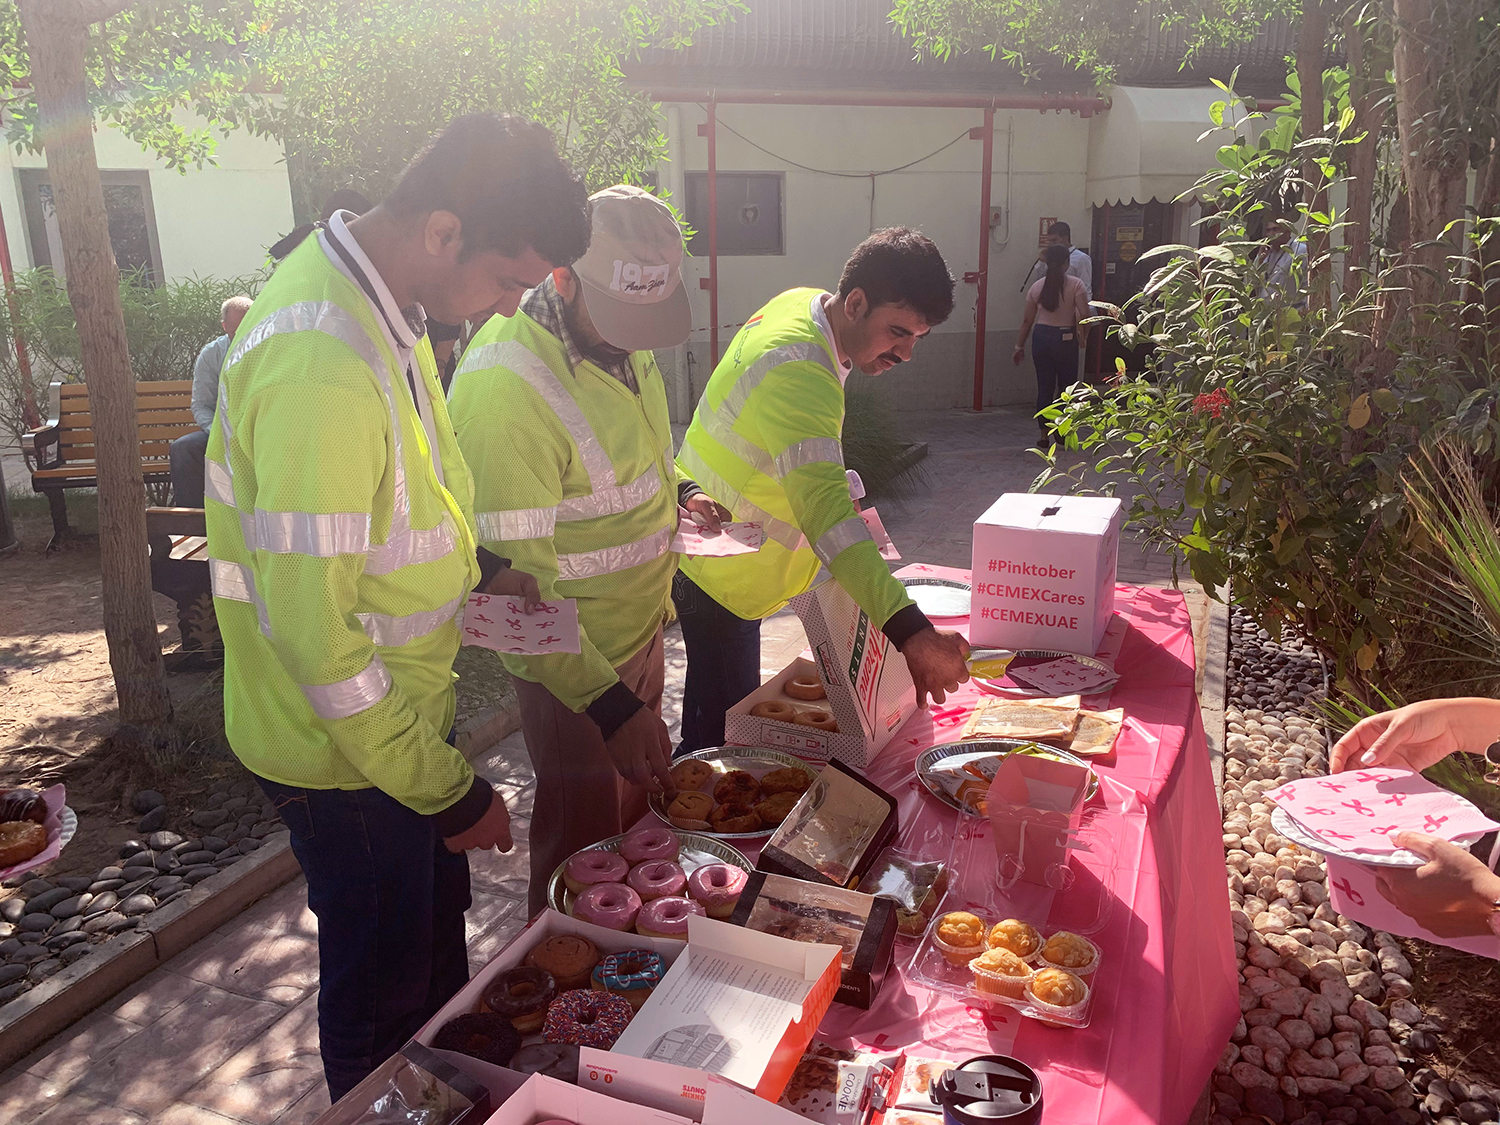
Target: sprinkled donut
point(649, 843)
point(656, 878)
point(631, 974)
point(593, 865)
point(521, 995)
point(611, 905)
point(667, 918)
point(587, 1018)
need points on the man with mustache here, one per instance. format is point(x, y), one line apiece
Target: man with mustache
point(766, 443)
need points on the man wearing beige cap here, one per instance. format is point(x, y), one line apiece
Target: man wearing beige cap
point(561, 414)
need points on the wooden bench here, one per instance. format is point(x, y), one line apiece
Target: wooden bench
point(62, 451)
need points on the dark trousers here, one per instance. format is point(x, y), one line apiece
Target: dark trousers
point(1054, 353)
point(186, 455)
point(723, 654)
point(390, 901)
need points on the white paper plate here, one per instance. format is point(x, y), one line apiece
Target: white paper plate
point(67, 828)
point(1284, 825)
point(939, 597)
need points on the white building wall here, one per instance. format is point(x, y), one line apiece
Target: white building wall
point(1040, 169)
point(214, 222)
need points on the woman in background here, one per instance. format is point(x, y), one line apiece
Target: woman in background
point(1055, 306)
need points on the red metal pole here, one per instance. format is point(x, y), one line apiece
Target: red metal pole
point(713, 233)
point(982, 301)
point(31, 414)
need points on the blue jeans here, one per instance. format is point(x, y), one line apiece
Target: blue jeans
point(185, 455)
point(1054, 353)
point(390, 901)
point(723, 651)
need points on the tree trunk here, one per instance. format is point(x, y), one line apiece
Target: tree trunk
point(1435, 174)
point(56, 39)
point(1369, 120)
point(1312, 48)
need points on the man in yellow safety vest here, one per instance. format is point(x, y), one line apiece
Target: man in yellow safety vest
point(766, 443)
point(342, 549)
point(562, 415)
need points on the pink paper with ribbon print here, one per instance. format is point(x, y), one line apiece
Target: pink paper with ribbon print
point(1360, 810)
point(734, 539)
point(501, 622)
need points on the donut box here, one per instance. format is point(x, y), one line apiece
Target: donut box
point(416, 1076)
point(867, 686)
point(502, 1081)
point(861, 925)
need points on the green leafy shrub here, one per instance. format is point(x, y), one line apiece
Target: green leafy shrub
point(166, 327)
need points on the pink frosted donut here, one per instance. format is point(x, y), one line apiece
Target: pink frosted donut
point(667, 917)
point(611, 905)
point(656, 878)
point(649, 843)
point(717, 886)
point(593, 866)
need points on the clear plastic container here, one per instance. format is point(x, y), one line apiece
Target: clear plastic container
point(1073, 891)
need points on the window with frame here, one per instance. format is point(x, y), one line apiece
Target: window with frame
point(749, 212)
point(128, 208)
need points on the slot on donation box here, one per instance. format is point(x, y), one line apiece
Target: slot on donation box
point(1035, 806)
point(1044, 572)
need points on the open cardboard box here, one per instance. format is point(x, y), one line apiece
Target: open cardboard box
point(869, 688)
point(502, 1081)
point(543, 1099)
point(739, 1004)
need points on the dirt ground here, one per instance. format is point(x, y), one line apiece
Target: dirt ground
point(1465, 991)
point(57, 697)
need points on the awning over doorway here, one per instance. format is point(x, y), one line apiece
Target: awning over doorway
point(1146, 146)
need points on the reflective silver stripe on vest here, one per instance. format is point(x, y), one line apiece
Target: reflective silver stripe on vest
point(388, 632)
point(349, 697)
point(722, 431)
point(610, 560)
point(516, 524)
point(607, 496)
point(218, 481)
point(322, 536)
point(236, 583)
point(516, 356)
point(405, 545)
point(809, 451)
point(612, 501)
point(839, 537)
point(752, 376)
point(717, 487)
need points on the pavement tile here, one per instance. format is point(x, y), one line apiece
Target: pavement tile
point(184, 1114)
point(308, 1110)
point(492, 872)
point(69, 1056)
point(153, 996)
point(76, 1109)
point(252, 961)
point(283, 910)
point(265, 1078)
point(149, 1073)
point(26, 1097)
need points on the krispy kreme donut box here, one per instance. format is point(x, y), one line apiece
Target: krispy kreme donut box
point(868, 688)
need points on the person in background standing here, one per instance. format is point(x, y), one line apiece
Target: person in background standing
point(186, 453)
point(1055, 305)
point(1080, 265)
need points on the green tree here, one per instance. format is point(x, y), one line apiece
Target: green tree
point(361, 85)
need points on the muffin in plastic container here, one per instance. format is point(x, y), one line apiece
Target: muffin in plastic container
point(1059, 984)
point(1000, 973)
point(959, 955)
point(1069, 951)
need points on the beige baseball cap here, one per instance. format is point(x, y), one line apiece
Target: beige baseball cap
point(632, 274)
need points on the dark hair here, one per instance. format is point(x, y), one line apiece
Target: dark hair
point(345, 199)
point(1061, 230)
point(1056, 258)
point(502, 177)
point(898, 266)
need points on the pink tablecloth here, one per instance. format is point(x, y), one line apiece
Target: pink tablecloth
point(1167, 1004)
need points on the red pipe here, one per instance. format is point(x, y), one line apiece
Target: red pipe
point(31, 415)
point(1085, 105)
point(981, 304)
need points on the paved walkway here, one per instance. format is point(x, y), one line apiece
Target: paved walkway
point(226, 1033)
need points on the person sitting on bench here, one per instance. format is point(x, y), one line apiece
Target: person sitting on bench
point(187, 451)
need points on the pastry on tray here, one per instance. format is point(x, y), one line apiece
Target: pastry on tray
point(959, 936)
point(999, 972)
point(1027, 719)
point(1015, 935)
point(1066, 950)
point(1057, 989)
point(787, 779)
